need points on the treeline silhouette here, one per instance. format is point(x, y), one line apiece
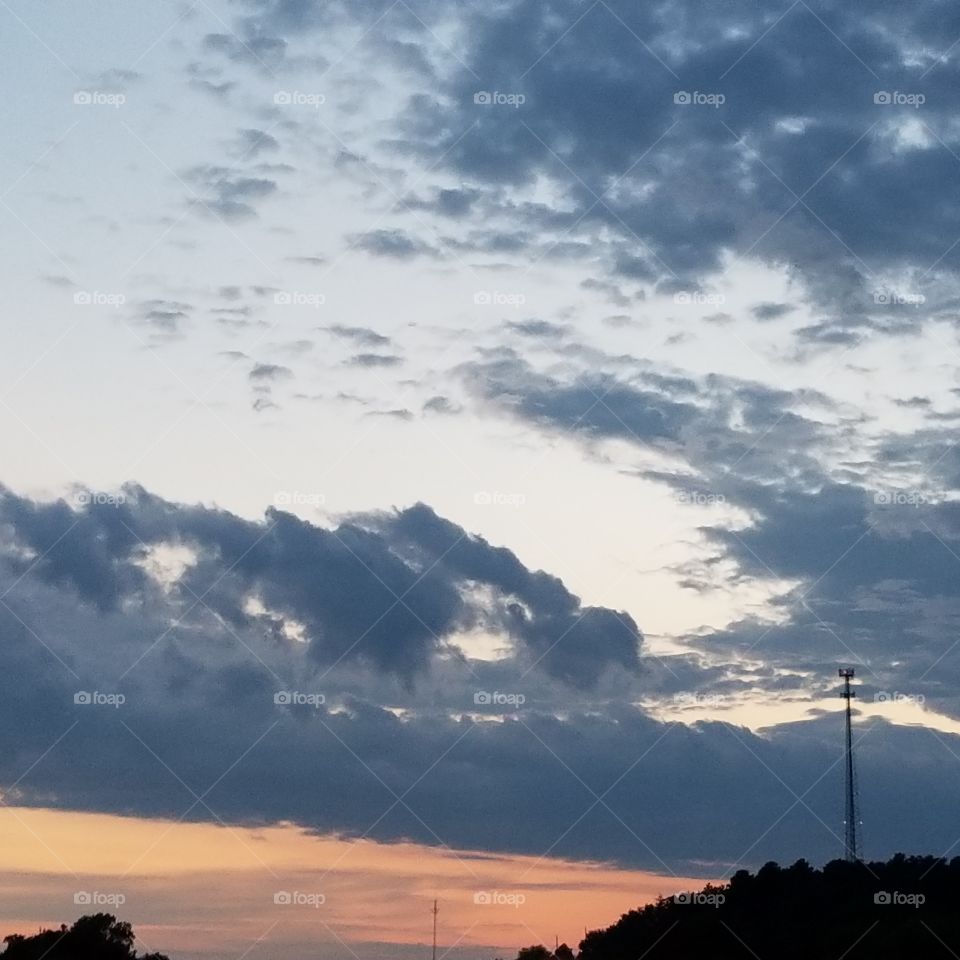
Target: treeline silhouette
point(97, 937)
point(907, 908)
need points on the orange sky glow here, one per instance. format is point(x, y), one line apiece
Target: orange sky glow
point(210, 890)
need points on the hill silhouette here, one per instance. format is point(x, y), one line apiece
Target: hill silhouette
point(97, 937)
point(908, 907)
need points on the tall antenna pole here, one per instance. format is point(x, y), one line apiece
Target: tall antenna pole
point(436, 910)
point(852, 821)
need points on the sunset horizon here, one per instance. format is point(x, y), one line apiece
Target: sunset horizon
point(482, 480)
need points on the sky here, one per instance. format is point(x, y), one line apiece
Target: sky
point(451, 450)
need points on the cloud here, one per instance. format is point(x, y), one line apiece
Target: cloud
point(162, 318)
point(364, 566)
point(366, 613)
point(399, 414)
point(218, 90)
point(226, 194)
point(441, 405)
point(269, 372)
point(309, 261)
point(263, 378)
point(611, 290)
point(663, 161)
point(263, 52)
point(58, 280)
point(394, 244)
point(772, 311)
point(860, 556)
point(371, 360)
point(364, 336)
point(733, 436)
point(453, 203)
point(251, 143)
point(536, 328)
point(116, 80)
point(590, 404)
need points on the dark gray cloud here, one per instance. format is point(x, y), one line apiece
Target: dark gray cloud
point(772, 311)
point(447, 203)
point(364, 336)
point(439, 404)
point(365, 590)
point(666, 789)
point(377, 597)
point(371, 360)
point(269, 372)
point(815, 140)
point(734, 435)
point(536, 328)
point(376, 601)
point(395, 244)
point(594, 405)
point(873, 552)
point(227, 194)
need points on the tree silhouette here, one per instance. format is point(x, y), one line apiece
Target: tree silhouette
point(538, 952)
point(97, 937)
point(904, 908)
